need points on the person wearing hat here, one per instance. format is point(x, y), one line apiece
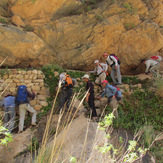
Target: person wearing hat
point(100, 70)
point(90, 96)
point(67, 84)
point(114, 63)
point(113, 94)
point(152, 66)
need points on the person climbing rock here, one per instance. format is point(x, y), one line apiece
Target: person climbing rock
point(9, 112)
point(114, 63)
point(67, 83)
point(90, 96)
point(100, 70)
point(113, 94)
point(22, 99)
point(152, 66)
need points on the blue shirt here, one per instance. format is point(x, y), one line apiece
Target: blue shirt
point(8, 101)
point(111, 91)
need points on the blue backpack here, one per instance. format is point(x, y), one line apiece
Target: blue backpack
point(22, 95)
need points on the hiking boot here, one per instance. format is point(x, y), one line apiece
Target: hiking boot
point(33, 124)
point(20, 131)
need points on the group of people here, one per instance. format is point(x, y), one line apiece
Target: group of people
point(22, 100)
point(112, 92)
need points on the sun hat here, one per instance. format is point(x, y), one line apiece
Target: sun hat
point(86, 76)
point(96, 61)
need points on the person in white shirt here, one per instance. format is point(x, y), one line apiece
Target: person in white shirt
point(114, 64)
point(100, 70)
point(152, 67)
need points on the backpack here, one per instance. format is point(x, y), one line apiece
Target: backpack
point(156, 58)
point(119, 62)
point(118, 93)
point(22, 95)
point(68, 82)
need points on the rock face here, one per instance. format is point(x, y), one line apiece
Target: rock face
point(74, 37)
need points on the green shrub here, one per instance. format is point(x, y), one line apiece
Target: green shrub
point(2, 20)
point(28, 28)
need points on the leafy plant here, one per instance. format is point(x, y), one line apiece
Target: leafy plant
point(5, 136)
point(130, 8)
point(29, 28)
point(138, 109)
point(129, 26)
point(2, 20)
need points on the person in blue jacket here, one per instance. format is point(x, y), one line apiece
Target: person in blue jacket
point(113, 94)
point(9, 107)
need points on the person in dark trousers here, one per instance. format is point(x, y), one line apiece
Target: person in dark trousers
point(9, 107)
point(67, 84)
point(90, 96)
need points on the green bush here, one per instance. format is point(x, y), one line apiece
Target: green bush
point(139, 109)
point(28, 28)
point(2, 20)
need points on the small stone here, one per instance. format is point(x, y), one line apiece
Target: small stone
point(37, 107)
point(36, 88)
point(33, 102)
point(43, 103)
point(38, 81)
point(29, 72)
point(56, 73)
point(24, 72)
point(34, 72)
point(41, 97)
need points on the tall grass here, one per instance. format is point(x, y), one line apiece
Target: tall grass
point(159, 86)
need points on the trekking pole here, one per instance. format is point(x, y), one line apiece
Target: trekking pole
point(3, 61)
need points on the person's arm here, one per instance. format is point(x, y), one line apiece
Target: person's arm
point(31, 95)
point(103, 94)
point(147, 66)
point(105, 66)
point(87, 97)
point(114, 60)
point(2, 103)
point(94, 71)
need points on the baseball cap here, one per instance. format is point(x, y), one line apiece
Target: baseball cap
point(104, 81)
point(105, 54)
point(96, 61)
point(85, 76)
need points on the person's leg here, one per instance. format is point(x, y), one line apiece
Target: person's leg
point(68, 97)
point(6, 117)
point(12, 118)
point(34, 113)
point(92, 106)
point(62, 99)
point(155, 70)
point(119, 77)
point(97, 81)
point(22, 111)
point(114, 105)
point(102, 77)
point(113, 74)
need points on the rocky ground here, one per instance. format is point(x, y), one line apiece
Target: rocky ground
point(20, 149)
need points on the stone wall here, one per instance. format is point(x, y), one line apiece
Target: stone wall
point(33, 79)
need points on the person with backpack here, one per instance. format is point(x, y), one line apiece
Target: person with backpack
point(22, 100)
point(9, 107)
point(113, 94)
point(67, 84)
point(156, 57)
point(152, 66)
point(100, 70)
point(90, 96)
point(114, 63)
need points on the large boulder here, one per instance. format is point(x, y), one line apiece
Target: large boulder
point(130, 29)
point(22, 49)
point(41, 11)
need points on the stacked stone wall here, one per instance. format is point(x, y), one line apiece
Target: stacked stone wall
point(33, 79)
